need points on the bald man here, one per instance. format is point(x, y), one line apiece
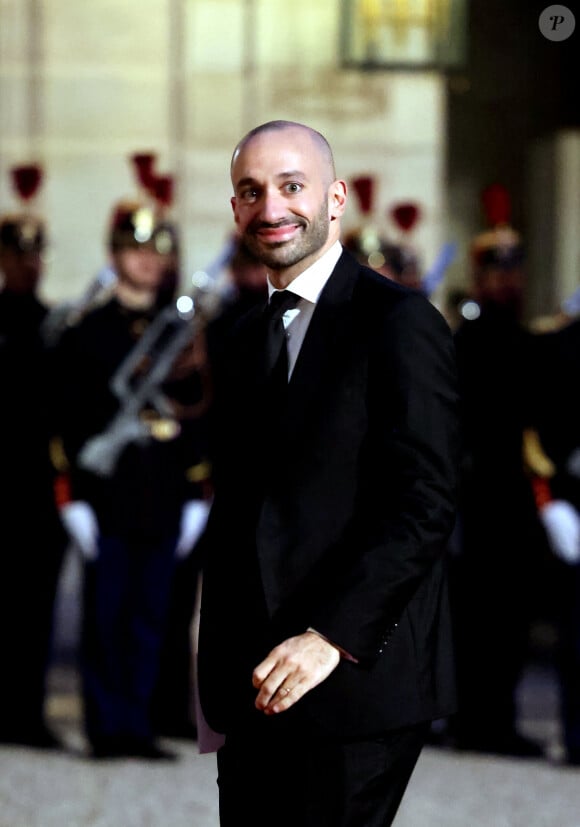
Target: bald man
point(324, 641)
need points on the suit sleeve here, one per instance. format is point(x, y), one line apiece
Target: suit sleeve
point(408, 474)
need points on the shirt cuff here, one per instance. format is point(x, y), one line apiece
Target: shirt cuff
point(343, 653)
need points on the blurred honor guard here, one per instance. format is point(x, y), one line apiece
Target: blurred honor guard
point(159, 190)
point(156, 192)
point(499, 534)
point(133, 386)
point(398, 260)
point(163, 193)
point(247, 288)
point(33, 541)
point(552, 453)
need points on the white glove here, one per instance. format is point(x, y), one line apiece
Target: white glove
point(561, 522)
point(193, 521)
point(82, 527)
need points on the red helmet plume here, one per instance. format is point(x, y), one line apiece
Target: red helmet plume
point(364, 187)
point(27, 179)
point(144, 163)
point(496, 204)
point(163, 189)
point(405, 215)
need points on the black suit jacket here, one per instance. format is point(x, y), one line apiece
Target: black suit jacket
point(336, 516)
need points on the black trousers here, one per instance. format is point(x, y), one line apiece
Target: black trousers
point(312, 781)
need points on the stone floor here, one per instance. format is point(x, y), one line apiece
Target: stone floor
point(448, 789)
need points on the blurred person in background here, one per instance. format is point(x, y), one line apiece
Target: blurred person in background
point(498, 537)
point(394, 261)
point(33, 541)
point(135, 512)
point(394, 258)
point(247, 287)
point(552, 454)
point(173, 708)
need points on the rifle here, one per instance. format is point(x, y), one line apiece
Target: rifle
point(163, 341)
point(434, 276)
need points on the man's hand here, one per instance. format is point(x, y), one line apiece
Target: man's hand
point(291, 670)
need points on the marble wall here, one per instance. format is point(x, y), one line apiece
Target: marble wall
point(84, 85)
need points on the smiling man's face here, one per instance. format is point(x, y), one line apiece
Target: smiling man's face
point(286, 202)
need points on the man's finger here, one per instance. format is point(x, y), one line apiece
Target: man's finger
point(272, 688)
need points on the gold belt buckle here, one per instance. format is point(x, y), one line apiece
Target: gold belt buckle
point(161, 428)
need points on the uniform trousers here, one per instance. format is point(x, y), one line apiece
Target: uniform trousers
point(126, 596)
point(33, 548)
point(568, 656)
point(292, 777)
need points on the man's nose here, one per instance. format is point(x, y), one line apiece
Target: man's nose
point(273, 206)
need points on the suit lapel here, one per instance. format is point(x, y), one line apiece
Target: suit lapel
point(327, 334)
point(321, 353)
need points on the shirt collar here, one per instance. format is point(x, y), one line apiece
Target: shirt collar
point(308, 285)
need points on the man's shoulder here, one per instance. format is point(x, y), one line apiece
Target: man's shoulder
point(378, 295)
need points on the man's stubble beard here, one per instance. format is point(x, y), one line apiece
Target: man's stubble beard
point(284, 254)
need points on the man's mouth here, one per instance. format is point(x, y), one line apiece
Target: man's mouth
point(276, 234)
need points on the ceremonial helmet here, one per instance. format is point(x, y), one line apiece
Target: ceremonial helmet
point(364, 240)
point(395, 259)
point(497, 255)
point(22, 230)
point(136, 223)
point(144, 220)
point(500, 245)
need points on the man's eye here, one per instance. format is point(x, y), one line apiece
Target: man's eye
point(293, 187)
point(249, 195)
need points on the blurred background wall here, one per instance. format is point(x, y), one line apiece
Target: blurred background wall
point(83, 85)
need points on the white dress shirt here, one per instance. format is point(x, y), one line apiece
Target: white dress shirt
point(308, 285)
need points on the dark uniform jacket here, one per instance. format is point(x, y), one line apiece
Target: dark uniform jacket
point(25, 423)
point(557, 407)
point(32, 538)
point(149, 484)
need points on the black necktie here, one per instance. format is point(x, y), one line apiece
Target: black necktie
point(276, 350)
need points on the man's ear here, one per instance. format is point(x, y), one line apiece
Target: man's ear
point(233, 203)
point(337, 195)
